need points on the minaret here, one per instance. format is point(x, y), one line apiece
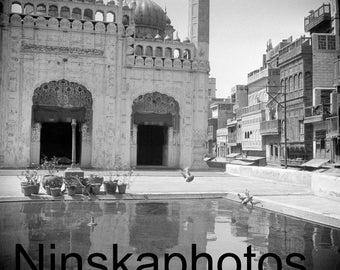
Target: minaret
point(199, 27)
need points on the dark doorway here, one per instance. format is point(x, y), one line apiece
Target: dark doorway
point(150, 144)
point(56, 140)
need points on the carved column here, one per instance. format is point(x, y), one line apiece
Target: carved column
point(133, 145)
point(171, 147)
point(85, 146)
point(74, 150)
point(35, 143)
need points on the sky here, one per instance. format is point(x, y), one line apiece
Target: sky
point(240, 30)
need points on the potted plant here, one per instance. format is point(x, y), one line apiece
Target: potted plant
point(51, 179)
point(30, 182)
point(110, 185)
point(95, 183)
point(124, 181)
point(72, 183)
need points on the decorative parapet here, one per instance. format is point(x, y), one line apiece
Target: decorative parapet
point(162, 55)
point(33, 48)
point(62, 24)
point(299, 46)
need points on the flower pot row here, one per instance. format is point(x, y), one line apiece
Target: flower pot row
point(111, 187)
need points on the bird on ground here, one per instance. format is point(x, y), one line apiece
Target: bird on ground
point(245, 198)
point(187, 175)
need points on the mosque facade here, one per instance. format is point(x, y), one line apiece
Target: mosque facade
point(112, 76)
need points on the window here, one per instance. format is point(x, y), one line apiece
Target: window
point(99, 16)
point(331, 42)
point(16, 8)
point(41, 9)
point(186, 54)
point(76, 13)
point(139, 50)
point(322, 42)
point(53, 11)
point(88, 14)
point(159, 52)
point(110, 17)
point(148, 51)
point(126, 20)
point(271, 150)
point(28, 9)
point(322, 144)
point(301, 127)
point(168, 53)
point(177, 53)
point(65, 12)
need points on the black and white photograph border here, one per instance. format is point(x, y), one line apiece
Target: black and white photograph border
point(169, 134)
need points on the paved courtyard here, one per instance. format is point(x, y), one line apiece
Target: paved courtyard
point(285, 198)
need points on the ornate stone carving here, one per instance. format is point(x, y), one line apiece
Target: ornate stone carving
point(168, 63)
point(41, 22)
point(36, 128)
point(15, 19)
point(64, 94)
point(100, 27)
point(28, 21)
point(177, 63)
point(88, 26)
point(139, 61)
point(111, 28)
point(59, 50)
point(155, 103)
point(158, 62)
point(186, 64)
point(53, 23)
point(85, 133)
point(65, 24)
point(148, 62)
point(77, 25)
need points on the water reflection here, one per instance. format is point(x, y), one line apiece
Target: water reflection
point(216, 227)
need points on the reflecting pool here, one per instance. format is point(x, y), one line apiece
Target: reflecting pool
point(186, 234)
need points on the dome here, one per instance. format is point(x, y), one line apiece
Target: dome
point(149, 17)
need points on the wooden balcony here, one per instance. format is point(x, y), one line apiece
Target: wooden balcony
point(317, 17)
point(317, 113)
point(272, 127)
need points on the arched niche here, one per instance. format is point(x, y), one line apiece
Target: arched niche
point(155, 117)
point(59, 102)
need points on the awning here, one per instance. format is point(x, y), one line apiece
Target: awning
point(315, 163)
point(57, 114)
point(241, 162)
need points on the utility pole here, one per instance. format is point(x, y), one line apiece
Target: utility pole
point(285, 117)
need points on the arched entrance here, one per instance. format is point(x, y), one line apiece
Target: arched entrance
point(155, 131)
point(59, 106)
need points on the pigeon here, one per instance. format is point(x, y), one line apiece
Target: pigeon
point(187, 175)
point(245, 198)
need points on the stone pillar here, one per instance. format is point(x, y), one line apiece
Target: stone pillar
point(74, 150)
point(35, 143)
point(85, 146)
point(133, 146)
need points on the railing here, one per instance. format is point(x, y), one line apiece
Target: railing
point(257, 74)
point(317, 113)
point(316, 17)
point(272, 127)
point(249, 109)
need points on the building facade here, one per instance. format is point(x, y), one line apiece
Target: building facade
point(114, 71)
point(323, 114)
